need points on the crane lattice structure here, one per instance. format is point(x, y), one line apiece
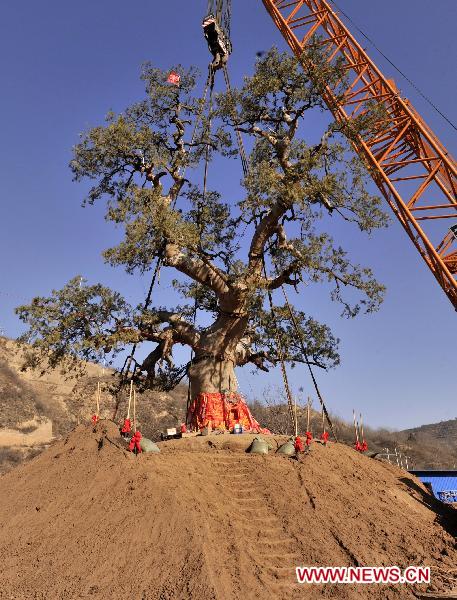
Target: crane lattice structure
point(413, 170)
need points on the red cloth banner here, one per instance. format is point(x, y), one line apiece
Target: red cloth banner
point(298, 445)
point(174, 78)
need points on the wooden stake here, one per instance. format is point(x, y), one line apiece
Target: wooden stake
point(355, 428)
point(296, 420)
point(130, 399)
point(98, 399)
point(308, 413)
point(134, 411)
point(323, 420)
point(361, 428)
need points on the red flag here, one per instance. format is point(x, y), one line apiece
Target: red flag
point(174, 78)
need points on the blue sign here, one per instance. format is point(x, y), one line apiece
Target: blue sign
point(447, 496)
point(443, 484)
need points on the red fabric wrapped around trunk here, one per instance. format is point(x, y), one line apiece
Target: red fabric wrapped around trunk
point(221, 411)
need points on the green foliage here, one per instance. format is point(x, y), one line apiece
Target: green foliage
point(314, 182)
point(266, 328)
point(147, 146)
point(140, 163)
point(77, 322)
point(280, 84)
point(320, 260)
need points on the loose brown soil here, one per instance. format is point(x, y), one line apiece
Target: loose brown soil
point(204, 520)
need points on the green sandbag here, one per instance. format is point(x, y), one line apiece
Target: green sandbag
point(258, 446)
point(287, 449)
point(148, 445)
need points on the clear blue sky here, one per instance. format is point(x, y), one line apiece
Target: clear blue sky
point(63, 65)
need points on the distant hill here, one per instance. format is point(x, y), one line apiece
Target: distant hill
point(431, 446)
point(444, 430)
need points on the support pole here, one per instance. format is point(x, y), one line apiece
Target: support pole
point(356, 430)
point(98, 399)
point(130, 399)
point(296, 419)
point(134, 411)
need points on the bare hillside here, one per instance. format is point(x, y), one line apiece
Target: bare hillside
point(36, 409)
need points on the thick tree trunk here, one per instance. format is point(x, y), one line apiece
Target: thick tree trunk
point(215, 359)
point(215, 401)
point(210, 375)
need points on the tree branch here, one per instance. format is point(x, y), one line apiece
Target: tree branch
point(244, 355)
point(183, 332)
point(282, 278)
point(196, 269)
point(267, 227)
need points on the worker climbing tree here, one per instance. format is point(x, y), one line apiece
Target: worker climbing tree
point(228, 254)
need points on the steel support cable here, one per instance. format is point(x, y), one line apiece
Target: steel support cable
point(130, 358)
point(160, 255)
point(239, 137)
point(305, 354)
point(285, 379)
point(416, 87)
point(245, 167)
point(222, 10)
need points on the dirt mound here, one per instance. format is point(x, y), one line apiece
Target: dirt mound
point(205, 520)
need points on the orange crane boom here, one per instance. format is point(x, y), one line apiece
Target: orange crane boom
point(412, 169)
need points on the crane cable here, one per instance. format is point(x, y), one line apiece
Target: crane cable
point(415, 86)
point(305, 354)
point(223, 13)
point(245, 167)
point(239, 137)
